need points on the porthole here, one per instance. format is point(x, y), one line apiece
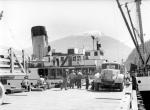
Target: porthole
point(139, 81)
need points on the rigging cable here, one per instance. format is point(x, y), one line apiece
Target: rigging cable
point(130, 32)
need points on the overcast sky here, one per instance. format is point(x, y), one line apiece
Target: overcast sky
point(63, 17)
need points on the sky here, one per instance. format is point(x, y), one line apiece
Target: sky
point(64, 18)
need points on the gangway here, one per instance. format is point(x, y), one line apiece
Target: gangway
point(10, 66)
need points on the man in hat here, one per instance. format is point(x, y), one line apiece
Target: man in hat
point(65, 79)
point(42, 82)
point(87, 81)
point(72, 79)
point(25, 83)
point(79, 78)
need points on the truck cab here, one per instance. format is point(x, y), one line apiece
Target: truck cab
point(111, 76)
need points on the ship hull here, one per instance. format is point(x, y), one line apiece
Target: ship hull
point(146, 96)
point(143, 83)
point(144, 89)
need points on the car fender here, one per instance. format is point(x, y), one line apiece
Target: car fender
point(97, 80)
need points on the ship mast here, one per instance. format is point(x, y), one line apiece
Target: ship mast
point(139, 21)
point(140, 28)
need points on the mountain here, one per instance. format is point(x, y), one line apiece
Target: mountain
point(114, 50)
point(133, 56)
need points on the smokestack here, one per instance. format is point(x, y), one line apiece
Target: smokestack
point(39, 42)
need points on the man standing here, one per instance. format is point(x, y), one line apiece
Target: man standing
point(64, 78)
point(25, 83)
point(42, 82)
point(72, 79)
point(79, 78)
point(134, 84)
point(87, 81)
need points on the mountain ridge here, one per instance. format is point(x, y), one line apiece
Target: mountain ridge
point(133, 56)
point(113, 49)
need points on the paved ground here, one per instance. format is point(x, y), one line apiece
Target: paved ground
point(55, 99)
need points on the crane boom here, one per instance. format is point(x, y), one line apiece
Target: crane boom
point(130, 32)
point(139, 21)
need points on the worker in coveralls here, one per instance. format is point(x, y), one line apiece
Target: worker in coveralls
point(25, 83)
point(134, 84)
point(79, 78)
point(72, 79)
point(87, 81)
point(42, 82)
point(65, 80)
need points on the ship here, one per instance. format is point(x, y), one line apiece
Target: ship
point(51, 65)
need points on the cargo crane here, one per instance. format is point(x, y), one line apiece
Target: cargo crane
point(142, 76)
point(142, 70)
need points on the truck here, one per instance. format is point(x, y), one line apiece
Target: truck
point(111, 76)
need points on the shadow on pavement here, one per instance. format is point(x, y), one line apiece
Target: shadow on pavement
point(105, 90)
point(110, 98)
point(17, 95)
point(5, 103)
point(57, 90)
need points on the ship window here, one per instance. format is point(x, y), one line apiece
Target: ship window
point(3, 81)
point(78, 58)
point(62, 58)
point(87, 53)
point(46, 72)
point(110, 66)
point(74, 58)
point(95, 54)
point(86, 57)
point(53, 71)
point(59, 72)
point(41, 72)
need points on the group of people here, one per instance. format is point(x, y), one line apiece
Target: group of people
point(41, 83)
point(68, 80)
point(73, 79)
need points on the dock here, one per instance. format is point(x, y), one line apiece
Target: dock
point(71, 99)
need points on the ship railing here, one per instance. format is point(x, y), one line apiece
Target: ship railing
point(143, 74)
point(10, 63)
